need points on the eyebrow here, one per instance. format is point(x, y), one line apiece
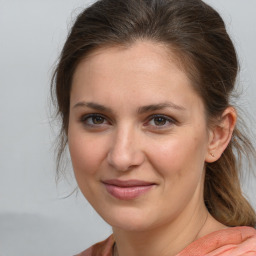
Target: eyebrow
point(93, 105)
point(141, 110)
point(154, 107)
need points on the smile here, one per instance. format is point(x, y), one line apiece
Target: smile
point(127, 190)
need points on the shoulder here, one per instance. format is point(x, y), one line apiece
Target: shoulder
point(234, 241)
point(103, 248)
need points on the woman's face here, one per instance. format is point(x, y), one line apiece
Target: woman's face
point(137, 136)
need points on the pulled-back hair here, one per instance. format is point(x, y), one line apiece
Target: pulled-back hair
point(197, 36)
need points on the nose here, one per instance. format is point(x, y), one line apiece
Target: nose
point(126, 150)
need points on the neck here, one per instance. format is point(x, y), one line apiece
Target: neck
point(165, 240)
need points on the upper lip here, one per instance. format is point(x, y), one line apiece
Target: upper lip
point(127, 183)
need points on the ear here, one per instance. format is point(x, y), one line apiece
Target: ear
point(220, 135)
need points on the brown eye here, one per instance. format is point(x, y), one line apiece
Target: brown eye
point(159, 121)
point(94, 120)
point(97, 120)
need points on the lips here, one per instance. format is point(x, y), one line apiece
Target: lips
point(128, 189)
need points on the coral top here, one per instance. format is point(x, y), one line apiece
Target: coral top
point(236, 241)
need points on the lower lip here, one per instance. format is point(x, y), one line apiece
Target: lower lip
point(127, 193)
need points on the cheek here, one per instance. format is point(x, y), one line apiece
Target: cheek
point(86, 154)
point(179, 155)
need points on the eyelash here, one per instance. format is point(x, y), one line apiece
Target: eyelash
point(85, 120)
point(168, 119)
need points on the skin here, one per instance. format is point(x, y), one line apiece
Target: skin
point(125, 141)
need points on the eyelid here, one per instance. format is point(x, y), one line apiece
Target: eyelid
point(85, 117)
point(171, 120)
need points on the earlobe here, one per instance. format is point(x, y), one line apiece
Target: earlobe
point(221, 135)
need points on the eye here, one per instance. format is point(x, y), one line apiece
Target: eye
point(97, 119)
point(94, 120)
point(160, 121)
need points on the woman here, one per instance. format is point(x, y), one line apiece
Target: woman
point(143, 89)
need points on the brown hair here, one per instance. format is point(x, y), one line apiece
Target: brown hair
point(196, 33)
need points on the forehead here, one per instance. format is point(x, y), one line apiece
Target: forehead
point(140, 57)
point(145, 70)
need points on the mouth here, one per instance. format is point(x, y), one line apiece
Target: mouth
point(128, 189)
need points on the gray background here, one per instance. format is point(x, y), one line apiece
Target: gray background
point(35, 219)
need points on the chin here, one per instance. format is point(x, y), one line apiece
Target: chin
point(131, 225)
point(129, 220)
